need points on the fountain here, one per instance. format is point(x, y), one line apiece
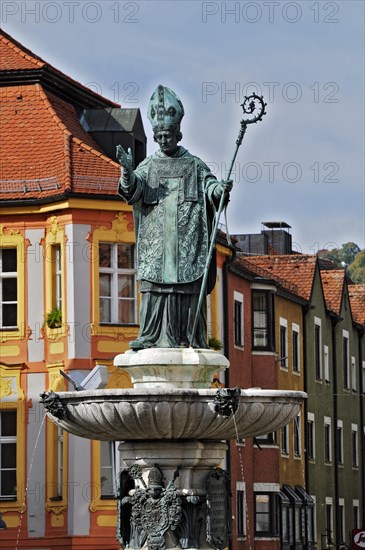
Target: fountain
point(177, 428)
point(173, 491)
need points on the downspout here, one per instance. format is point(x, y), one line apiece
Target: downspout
point(334, 321)
point(228, 262)
point(361, 425)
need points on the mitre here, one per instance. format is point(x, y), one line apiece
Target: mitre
point(165, 109)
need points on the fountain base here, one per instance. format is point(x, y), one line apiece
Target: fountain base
point(173, 492)
point(196, 461)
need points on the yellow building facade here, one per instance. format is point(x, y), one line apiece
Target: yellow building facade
point(58, 266)
point(69, 297)
point(289, 346)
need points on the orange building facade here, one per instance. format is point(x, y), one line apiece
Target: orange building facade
point(69, 301)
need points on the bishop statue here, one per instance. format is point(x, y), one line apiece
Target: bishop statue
point(174, 197)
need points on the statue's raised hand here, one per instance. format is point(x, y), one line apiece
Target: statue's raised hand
point(125, 159)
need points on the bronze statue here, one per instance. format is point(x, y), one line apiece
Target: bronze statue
point(174, 197)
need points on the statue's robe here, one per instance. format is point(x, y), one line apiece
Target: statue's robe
point(173, 203)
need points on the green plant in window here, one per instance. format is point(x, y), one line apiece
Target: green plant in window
point(54, 318)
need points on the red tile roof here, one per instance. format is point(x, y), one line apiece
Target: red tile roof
point(297, 270)
point(45, 151)
point(14, 56)
point(333, 281)
point(32, 145)
point(357, 303)
point(265, 274)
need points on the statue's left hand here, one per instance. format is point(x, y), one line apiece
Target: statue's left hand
point(223, 187)
point(228, 185)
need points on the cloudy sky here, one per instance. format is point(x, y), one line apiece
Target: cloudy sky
point(304, 164)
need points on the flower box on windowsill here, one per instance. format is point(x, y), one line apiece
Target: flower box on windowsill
point(54, 318)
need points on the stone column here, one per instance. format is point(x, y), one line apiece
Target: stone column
point(162, 371)
point(195, 459)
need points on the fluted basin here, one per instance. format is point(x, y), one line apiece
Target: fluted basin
point(129, 414)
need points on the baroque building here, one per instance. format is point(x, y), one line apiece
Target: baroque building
point(68, 294)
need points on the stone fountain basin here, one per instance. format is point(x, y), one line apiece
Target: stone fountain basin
point(129, 414)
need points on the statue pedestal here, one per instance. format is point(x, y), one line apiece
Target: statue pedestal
point(172, 368)
point(196, 459)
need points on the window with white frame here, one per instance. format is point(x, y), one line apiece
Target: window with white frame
point(238, 319)
point(56, 472)
point(318, 348)
point(298, 522)
point(354, 446)
point(295, 348)
point(8, 481)
point(283, 350)
point(355, 513)
point(60, 462)
point(109, 466)
point(327, 440)
point(297, 444)
point(265, 514)
point(311, 449)
point(345, 359)
point(339, 446)
point(285, 519)
point(8, 288)
point(57, 275)
point(285, 440)
point(262, 320)
point(55, 282)
point(311, 522)
point(241, 509)
point(329, 520)
point(326, 362)
point(353, 374)
point(117, 284)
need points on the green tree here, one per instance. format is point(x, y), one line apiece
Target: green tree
point(340, 256)
point(357, 268)
point(348, 252)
